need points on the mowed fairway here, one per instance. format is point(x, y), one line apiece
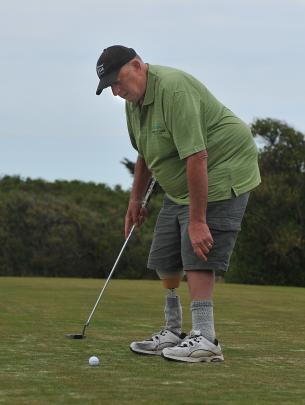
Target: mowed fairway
point(261, 330)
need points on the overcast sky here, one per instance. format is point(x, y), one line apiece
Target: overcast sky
point(250, 54)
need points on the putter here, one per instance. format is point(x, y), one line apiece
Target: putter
point(144, 204)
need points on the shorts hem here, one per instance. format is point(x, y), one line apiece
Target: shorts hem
point(206, 266)
point(170, 269)
point(168, 273)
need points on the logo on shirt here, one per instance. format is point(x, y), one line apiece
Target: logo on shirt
point(156, 128)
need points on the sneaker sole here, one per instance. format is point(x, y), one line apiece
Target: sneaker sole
point(211, 359)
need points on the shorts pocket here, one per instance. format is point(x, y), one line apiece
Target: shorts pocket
point(227, 215)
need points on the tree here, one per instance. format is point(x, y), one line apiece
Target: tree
point(70, 229)
point(130, 166)
point(271, 246)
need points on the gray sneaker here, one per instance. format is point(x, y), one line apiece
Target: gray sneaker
point(194, 348)
point(159, 341)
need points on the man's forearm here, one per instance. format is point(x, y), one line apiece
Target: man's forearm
point(141, 178)
point(197, 177)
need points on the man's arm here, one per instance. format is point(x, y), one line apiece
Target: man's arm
point(135, 214)
point(197, 177)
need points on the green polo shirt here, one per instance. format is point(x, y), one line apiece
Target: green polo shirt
point(179, 117)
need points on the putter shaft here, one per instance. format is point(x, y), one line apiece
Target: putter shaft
point(144, 204)
point(108, 279)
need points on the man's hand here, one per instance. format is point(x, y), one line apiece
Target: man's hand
point(201, 239)
point(135, 215)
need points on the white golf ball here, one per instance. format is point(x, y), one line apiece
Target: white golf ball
point(94, 361)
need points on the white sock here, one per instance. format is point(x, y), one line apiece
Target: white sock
point(203, 319)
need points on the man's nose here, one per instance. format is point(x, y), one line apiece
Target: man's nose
point(115, 89)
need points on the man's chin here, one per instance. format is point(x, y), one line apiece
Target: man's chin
point(131, 99)
point(126, 97)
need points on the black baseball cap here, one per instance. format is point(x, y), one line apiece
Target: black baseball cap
point(110, 63)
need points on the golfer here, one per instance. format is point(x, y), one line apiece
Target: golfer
point(205, 159)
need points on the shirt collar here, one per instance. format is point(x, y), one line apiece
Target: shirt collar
point(150, 89)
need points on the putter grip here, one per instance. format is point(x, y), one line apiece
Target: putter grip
point(149, 192)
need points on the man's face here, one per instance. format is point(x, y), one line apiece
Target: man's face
point(130, 84)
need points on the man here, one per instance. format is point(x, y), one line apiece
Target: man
point(205, 159)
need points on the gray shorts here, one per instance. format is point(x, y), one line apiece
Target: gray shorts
point(171, 250)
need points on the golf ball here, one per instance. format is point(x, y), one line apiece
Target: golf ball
point(94, 361)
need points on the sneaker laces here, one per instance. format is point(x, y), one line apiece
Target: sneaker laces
point(156, 335)
point(194, 336)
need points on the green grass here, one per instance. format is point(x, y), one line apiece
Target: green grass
point(261, 330)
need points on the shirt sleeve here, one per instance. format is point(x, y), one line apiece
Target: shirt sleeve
point(187, 123)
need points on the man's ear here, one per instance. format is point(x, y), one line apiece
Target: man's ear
point(136, 64)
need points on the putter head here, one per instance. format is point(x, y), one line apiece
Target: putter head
point(76, 336)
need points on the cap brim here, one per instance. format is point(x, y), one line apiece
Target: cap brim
point(107, 81)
